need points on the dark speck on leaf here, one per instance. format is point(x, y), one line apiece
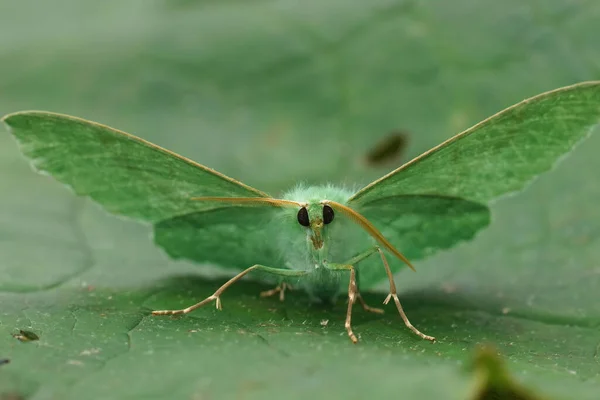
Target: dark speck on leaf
point(387, 150)
point(11, 396)
point(25, 336)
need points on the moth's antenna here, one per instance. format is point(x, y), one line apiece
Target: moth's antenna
point(252, 200)
point(367, 226)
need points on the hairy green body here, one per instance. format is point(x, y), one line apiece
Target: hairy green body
point(342, 240)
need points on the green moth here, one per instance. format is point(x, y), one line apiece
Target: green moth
point(326, 240)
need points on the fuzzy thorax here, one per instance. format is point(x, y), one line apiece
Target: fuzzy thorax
point(310, 247)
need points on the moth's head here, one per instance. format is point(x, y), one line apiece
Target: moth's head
point(315, 217)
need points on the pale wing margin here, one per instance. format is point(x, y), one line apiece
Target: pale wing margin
point(125, 174)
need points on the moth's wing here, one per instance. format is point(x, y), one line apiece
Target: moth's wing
point(501, 154)
point(236, 237)
point(418, 226)
point(127, 175)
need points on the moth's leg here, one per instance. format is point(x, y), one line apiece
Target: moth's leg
point(394, 295)
point(352, 289)
point(281, 288)
point(367, 307)
point(357, 259)
point(360, 299)
point(216, 295)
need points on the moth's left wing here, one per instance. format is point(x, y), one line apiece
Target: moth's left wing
point(131, 177)
point(418, 226)
point(499, 155)
point(125, 174)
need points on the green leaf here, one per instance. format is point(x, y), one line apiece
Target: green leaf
point(293, 92)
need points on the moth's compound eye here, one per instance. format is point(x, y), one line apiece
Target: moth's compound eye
point(327, 214)
point(303, 217)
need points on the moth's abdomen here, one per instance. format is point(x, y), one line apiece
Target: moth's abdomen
point(323, 285)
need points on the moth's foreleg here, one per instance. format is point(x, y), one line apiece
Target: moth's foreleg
point(353, 261)
point(216, 295)
point(352, 290)
point(393, 294)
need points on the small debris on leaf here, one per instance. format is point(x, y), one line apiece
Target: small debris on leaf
point(449, 287)
point(89, 352)
point(25, 336)
point(4, 361)
point(324, 322)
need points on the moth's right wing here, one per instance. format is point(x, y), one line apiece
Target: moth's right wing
point(502, 154)
point(441, 197)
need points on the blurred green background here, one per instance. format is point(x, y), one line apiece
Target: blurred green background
point(274, 93)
